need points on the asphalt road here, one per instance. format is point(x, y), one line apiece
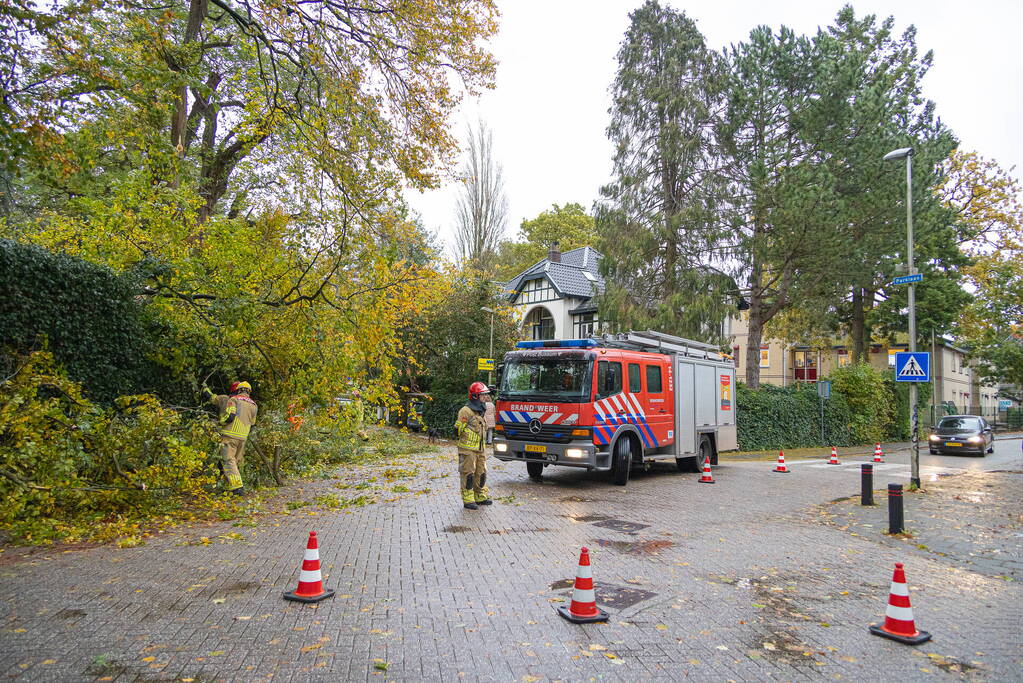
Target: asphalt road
point(1007, 455)
point(896, 466)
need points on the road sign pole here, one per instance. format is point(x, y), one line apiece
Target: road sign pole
point(914, 425)
point(490, 375)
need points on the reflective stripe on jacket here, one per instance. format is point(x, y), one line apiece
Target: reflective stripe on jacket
point(472, 430)
point(237, 415)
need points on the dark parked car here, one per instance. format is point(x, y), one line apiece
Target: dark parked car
point(962, 434)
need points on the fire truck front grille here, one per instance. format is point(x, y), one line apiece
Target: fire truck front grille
point(548, 433)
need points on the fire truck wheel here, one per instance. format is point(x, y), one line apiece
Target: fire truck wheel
point(694, 463)
point(622, 461)
point(535, 469)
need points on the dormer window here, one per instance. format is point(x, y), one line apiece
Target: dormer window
point(537, 290)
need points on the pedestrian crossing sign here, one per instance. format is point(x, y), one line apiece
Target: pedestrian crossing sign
point(912, 366)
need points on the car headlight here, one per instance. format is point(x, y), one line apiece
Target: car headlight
point(975, 439)
point(575, 453)
point(935, 437)
point(500, 448)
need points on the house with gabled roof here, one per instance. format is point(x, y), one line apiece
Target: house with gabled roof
point(555, 296)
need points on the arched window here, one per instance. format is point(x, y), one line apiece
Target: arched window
point(540, 324)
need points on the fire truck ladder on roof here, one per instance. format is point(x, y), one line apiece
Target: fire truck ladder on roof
point(649, 340)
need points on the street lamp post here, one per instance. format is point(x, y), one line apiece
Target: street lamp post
point(914, 417)
point(491, 311)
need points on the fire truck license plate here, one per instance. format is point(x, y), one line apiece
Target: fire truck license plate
point(533, 448)
point(952, 443)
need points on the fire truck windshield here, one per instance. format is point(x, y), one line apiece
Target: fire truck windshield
point(565, 380)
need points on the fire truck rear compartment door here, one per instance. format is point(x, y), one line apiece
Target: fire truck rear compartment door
point(706, 396)
point(685, 407)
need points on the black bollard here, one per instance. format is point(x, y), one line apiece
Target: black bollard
point(895, 516)
point(866, 484)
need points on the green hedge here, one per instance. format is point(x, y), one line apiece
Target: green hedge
point(774, 417)
point(85, 314)
point(441, 412)
point(866, 405)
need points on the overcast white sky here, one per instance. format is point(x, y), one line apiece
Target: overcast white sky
point(548, 112)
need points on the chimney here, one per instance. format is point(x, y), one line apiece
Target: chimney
point(554, 255)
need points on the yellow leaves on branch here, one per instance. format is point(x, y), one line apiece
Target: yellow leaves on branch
point(984, 198)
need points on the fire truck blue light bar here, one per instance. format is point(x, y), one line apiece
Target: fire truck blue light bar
point(558, 343)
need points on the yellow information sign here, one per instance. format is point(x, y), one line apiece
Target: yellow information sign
point(484, 363)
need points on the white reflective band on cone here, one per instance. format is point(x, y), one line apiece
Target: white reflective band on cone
point(584, 595)
point(900, 589)
point(585, 572)
point(900, 613)
point(311, 554)
point(309, 577)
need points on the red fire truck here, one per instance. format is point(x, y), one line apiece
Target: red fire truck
point(615, 402)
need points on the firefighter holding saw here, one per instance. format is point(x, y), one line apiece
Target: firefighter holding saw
point(471, 426)
point(236, 415)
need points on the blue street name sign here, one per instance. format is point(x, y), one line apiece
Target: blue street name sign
point(905, 279)
point(912, 367)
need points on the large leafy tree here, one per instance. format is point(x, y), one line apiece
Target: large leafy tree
point(985, 200)
point(199, 90)
point(247, 158)
point(866, 102)
point(657, 221)
point(567, 226)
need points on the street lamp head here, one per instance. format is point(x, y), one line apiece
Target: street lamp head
point(486, 309)
point(899, 154)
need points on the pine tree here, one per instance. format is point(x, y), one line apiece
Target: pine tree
point(657, 221)
point(782, 242)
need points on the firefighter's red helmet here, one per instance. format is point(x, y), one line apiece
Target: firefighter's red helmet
point(477, 388)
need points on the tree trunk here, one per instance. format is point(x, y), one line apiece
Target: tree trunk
point(857, 323)
point(196, 13)
point(754, 336)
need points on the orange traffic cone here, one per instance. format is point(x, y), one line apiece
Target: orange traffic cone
point(878, 453)
point(898, 618)
point(781, 464)
point(310, 582)
point(707, 477)
point(834, 457)
point(583, 608)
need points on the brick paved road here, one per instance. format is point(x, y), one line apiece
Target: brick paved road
point(752, 578)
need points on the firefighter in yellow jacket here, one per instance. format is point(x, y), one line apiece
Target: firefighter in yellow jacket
point(237, 415)
point(471, 426)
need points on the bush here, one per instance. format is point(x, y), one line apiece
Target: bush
point(773, 417)
point(71, 469)
point(279, 447)
point(899, 429)
point(870, 399)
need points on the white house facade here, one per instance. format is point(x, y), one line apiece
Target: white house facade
point(554, 297)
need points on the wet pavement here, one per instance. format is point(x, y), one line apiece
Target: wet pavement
point(760, 576)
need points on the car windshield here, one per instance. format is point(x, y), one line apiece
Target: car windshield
point(960, 423)
point(565, 380)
